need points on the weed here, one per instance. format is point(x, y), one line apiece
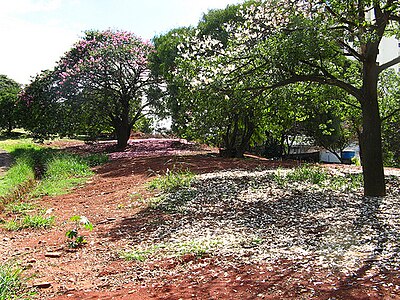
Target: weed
point(198, 249)
point(137, 197)
point(58, 172)
point(136, 254)
point(320, 177)
point(172, 181)
point(74, 239)
point(63, 172)
point(172, 202)
point(314, 175)
point(348, 182)
point(20, 207)
point(34, 222)
point(12, 284)
point(96, 159)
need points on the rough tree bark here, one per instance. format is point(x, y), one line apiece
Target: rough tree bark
point(371, 136)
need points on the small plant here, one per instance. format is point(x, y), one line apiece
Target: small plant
point(12, 284)
point(140, 254)
point(34, 222)
point(74, 239)
point(198, 249)
point(20, 207)
point(172, 181)
point(136, 255)
point(314, 175)
point(348, 182)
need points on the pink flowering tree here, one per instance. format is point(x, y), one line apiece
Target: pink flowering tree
point(103, 81)
point(284, 42)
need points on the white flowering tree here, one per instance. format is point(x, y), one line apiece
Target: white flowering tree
point(282, 42)
point(230, 118)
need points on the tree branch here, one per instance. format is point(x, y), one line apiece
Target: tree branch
point(389, 64)
point(351, 50)
point(390, 115)
point(317, 79)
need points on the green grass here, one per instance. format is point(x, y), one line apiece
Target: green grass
point(12, 284)
point(96, 159)
point(320, 177)
point(175, 250)
point(172, 181)
point(62, 173)
point(136, 255)
point(305, 173)
point(57, 172)
point(20, 207)
point(29, 221)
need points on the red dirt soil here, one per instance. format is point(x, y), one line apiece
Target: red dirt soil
point(96, 271)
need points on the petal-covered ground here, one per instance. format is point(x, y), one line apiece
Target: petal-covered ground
point(239, 231)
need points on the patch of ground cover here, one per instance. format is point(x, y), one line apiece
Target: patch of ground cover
point(242, 218)
point(12, 283)
point(41, 171)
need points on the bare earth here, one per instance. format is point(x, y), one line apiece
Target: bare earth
point(97, 271)
point(5, 162)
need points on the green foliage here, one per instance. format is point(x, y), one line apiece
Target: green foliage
point(20, 177)
point(55, 172)
point(140, 255)
point(389, 95)
point(172, 181)
point(64, 171)
point(20, 207)
point(198, 249)
point(30, 221)
point(63, 165)
point(100, 85)
point(320, 177)
point(96, 159)
point(12, 284)
point(75, 240)
point(305, 173)
point(349, 182)
point(9, 115)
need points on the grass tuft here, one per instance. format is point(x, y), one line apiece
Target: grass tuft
point(321, 177)
point(12, 285)
point(34, 222)
point(172, 181)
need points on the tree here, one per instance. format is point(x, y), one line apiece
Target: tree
point(9, 90)
point(327, 42)
point(103, 81)
point(163, 67)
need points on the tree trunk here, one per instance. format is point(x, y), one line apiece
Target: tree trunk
point(371, 140)
point(10, 127)
point(122, 124)
point(123, 132)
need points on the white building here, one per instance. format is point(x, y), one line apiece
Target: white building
point(389, 50)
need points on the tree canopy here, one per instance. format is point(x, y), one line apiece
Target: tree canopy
point(283, 42)
point(9, 90)
point(103, 81)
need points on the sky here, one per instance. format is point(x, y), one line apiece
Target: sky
point(34, 34)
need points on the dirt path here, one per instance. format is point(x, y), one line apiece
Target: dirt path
point(113, 200)
point(5, 162)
